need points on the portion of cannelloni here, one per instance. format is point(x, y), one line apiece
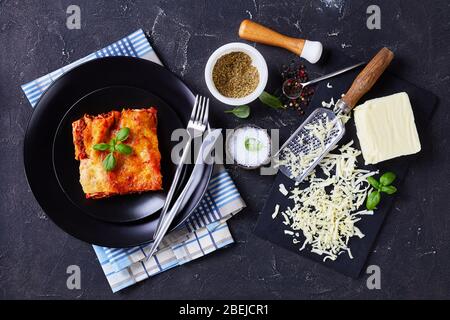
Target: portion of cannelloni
point(138, 171)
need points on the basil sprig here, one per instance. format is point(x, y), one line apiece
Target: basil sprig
point(384, 185)
point(240, 111)
point(116, 144)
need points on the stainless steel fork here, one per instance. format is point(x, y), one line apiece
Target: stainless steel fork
point(196, 127)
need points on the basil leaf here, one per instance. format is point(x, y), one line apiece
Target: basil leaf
point(109, 163)
point(387, 178)
point(252, 144)
point(240, 111)
point(101, 146)
point(373, 182)
point(123, 148)
point(123, 133)
point(373, 200)
point(112, 144)
point(388, 189)
point(270, 100)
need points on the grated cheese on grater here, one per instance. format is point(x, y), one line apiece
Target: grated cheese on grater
point(323, 210)
point(298, 163)
point(319, 132)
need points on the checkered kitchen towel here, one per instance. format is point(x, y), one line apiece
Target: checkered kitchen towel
point(204, 232)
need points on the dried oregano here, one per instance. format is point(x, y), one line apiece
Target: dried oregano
point(234, 75)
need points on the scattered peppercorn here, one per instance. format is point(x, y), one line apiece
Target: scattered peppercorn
point(296, 72)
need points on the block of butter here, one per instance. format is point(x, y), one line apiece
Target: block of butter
point(386, 128)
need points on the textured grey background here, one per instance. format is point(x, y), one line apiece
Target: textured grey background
point(413, 247)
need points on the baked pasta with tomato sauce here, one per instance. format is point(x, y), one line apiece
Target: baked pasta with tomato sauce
point(137, 172)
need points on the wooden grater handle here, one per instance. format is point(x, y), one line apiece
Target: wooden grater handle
point(368, 76)
point(253, 31)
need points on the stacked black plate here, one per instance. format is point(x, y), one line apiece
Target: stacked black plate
point(96, 87)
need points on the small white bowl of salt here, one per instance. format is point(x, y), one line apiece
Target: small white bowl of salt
point(249, 146)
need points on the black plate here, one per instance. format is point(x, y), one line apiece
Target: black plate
point(94, 87)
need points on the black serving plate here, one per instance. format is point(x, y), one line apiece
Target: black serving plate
point(96, 87)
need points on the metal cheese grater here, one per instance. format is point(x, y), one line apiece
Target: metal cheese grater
point(302, 142)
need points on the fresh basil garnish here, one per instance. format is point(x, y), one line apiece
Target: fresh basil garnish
point(373, 182)
point(270, 100)
point(387, 178)
point(123, 148)
point(110, 162)
point(388, 189)
point(240, 111)
point(381, 186)
point(101, 146)
point(373, 200)
point(123, 133)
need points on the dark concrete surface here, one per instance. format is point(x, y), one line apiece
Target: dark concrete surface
point(413, 247)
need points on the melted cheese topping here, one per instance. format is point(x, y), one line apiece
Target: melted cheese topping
point(137, 172)
point(323, 210)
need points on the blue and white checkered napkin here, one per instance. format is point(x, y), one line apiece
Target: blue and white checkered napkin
point(204, 232)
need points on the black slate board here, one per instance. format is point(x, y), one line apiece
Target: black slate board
point(423, 104)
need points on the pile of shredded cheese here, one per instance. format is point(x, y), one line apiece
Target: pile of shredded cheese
point(323, 210)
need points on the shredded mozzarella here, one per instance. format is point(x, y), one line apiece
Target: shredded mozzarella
point(323, 210)
point(283, 189)
point(328, 104)
point(275, 212)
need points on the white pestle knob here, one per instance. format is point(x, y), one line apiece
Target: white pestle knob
point(312, 51)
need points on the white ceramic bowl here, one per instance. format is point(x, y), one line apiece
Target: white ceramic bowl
point(230, 154)
point(257, 61)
